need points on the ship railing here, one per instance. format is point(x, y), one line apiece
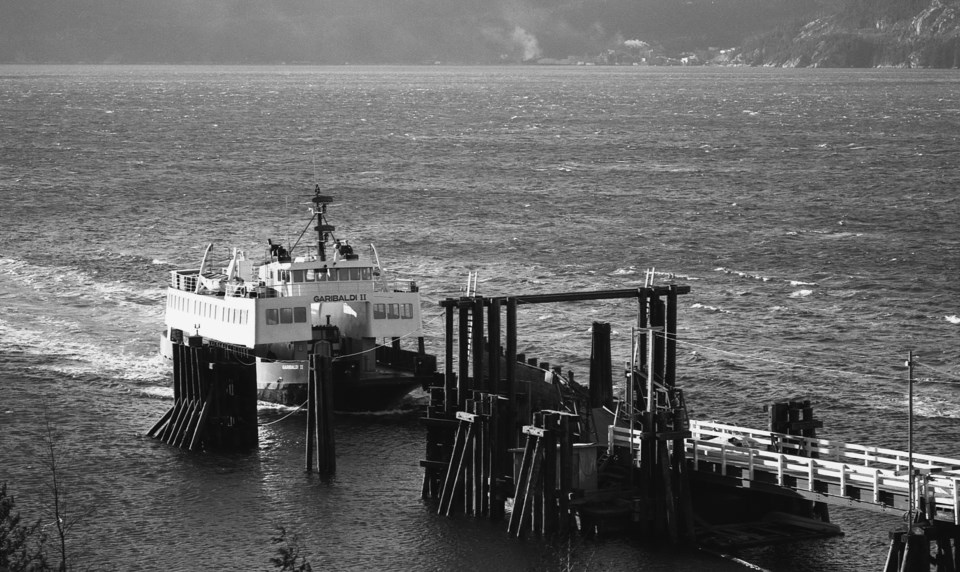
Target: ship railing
point(297, 289)
point(397, 285)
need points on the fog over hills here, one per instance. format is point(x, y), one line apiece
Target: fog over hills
point(368, 31)
point(835, 33)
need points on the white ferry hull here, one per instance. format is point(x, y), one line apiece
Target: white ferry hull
point(285, 382)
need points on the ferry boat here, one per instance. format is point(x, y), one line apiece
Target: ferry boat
point(274, 313)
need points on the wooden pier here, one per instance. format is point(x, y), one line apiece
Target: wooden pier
point(510, 438)
point(498, 404)
point(515, 438)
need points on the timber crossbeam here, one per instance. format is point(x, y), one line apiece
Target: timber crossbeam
point(575, 296)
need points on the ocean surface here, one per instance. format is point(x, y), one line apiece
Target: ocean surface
point(813, 213)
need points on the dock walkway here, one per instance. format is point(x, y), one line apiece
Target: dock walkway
point(823, 470)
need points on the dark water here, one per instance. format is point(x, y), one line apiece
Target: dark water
point(812, 212)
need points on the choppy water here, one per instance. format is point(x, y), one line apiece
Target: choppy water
point(813, 213)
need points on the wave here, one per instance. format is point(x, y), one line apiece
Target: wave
point(81, 286)
point(162, 392)
point(743, 274)
point(66, 347)
point(699, 306)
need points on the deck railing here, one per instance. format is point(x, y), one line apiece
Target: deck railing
point(824, 469)
point(850, 470)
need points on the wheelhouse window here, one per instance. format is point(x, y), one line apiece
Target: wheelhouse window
point(297, 315)
point(393, 311)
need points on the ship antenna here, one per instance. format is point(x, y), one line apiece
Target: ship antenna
point(322, 228)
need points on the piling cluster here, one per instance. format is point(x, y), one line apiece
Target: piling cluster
point(214, 400)
point(505, 433)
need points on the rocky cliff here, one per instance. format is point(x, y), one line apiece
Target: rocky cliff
point(855, 36)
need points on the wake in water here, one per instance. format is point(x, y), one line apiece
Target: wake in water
point(73, 324)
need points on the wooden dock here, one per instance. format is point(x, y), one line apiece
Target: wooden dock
point(552, 457)
point(511, 437)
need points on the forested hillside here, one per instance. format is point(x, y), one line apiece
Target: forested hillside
point(865, 33)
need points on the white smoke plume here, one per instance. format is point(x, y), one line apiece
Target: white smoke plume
point(639, 44)
point(528, 42)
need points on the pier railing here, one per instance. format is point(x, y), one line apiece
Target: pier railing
point(826, 470)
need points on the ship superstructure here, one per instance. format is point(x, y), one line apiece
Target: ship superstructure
point(276, 312)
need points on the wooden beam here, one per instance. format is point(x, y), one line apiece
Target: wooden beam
point(576, 296)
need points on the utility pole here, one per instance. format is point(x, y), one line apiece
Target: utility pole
point(912, 486)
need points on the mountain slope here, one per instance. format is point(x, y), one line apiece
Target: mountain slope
point(866, 35)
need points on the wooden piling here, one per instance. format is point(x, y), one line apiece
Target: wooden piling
point(311, 438)
point(456, 472)
point(449, 376)
point(476, 315)
point(500, 456)
point(670, 331)
point(481, 459)
point(565, 438)
point(464, 384)
point(643, 322)
point(494, 347)
point(683, 494)
point(895, 552)
point(320, 436)
point(214, 401)
point(601, 370)
point(910, 549)
point(509, 425)
point(795, 419)
point(666, 502)
point(468, 496)
point(945, 560)
point(549, 477)
point(658, 319)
